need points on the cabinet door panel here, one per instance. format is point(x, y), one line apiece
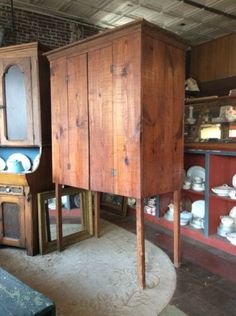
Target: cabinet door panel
point(17, 99)
point(101, 119)
point(162, 113)
point(12, 221)
point(60, 147)
point(126, 115)
point(78, 122)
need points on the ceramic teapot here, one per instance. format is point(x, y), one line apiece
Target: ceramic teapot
point(16, 166)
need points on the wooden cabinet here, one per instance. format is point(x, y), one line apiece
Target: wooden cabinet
point(117, 117)
point(117, 121)
point(21, 73)
point(25, 133)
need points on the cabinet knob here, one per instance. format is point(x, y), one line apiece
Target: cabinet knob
point(8, 189)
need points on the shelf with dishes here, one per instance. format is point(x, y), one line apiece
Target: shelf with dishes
point(209, 178)
point(19, 160)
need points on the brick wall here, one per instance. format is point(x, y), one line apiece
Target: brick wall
point(51, 31)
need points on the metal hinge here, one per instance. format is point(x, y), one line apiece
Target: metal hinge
point(113, 172)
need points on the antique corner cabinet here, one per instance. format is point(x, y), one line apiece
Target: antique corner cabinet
point(117, 113)
point(25, 137)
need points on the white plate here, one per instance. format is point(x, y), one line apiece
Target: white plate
point(20, 157)
point(198, 208)
point(2, 164)
point(234, 181)
point(196, 171)
point(36, 162)
point(232, 212)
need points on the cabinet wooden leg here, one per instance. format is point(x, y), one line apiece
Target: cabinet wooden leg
point(140, 243)
point(177, 228)
point(97, 214)
point(58, 217)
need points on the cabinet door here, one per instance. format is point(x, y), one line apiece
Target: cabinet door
point(12, 221)
point(16, 102)
point(78, 143)
point(59, 120)
point(70, 121)
point(101, 119)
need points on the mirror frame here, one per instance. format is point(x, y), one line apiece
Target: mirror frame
point(46, 246)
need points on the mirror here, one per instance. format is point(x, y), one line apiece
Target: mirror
point(76, 217)
point(15, 99)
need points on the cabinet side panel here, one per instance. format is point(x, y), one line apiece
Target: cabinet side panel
point(162, 116)
point(78, 171)
point(59, 120)
point(127, 114)
point(100, 119)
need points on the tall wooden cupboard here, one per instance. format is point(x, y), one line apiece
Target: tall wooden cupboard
point(24, 136)
point(117, 114)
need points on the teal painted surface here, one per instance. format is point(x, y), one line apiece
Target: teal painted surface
point(31, 153)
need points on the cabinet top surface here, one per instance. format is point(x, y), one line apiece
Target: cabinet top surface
point(139, 24)
point(31, 48)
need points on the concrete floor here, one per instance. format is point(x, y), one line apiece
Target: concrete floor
point(206, 280)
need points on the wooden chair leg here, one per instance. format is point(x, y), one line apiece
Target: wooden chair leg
point(177, 228)
point(58, 217)
point(97, 214)
point(140, 243)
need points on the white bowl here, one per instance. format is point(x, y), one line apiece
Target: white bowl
point(227, 221)
point(222, 190)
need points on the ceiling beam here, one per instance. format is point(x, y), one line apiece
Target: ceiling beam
point(210, 9)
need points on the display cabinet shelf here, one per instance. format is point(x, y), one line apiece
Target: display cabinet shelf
point(220, 166)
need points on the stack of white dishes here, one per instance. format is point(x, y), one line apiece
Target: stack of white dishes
point(198, 213)
point(227, 223)
point(232, 238)
point(185, 216)
point(198, 184)
point(169, 215)
point(150, 207)
point(195, 179)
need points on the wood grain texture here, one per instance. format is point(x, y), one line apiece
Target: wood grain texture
point(214, 60)
point(101, 119)
point(140, 243)
point(177, 228)
point(12, 224)
point(60, 146)
point(162, 117)
point(78, 139)
point(127, 114)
